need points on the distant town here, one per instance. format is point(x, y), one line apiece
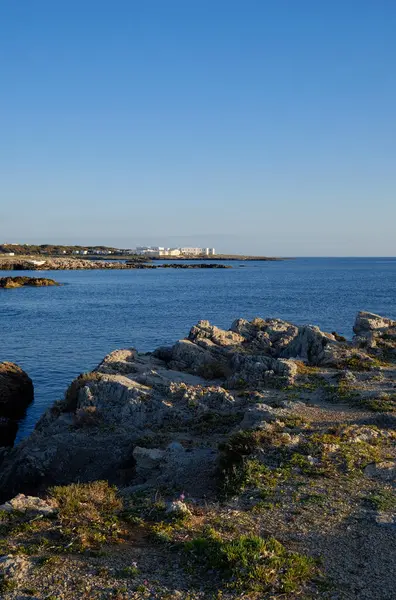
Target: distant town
point(15, 249)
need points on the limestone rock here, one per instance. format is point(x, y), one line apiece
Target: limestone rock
point(13, 568)
point(366, 322)
point(147, 459)
point(375, 334)
point(157, 419)
point(386, 520)
point(177, 508)
point(30, 504)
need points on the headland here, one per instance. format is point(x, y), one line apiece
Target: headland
point(263, 454)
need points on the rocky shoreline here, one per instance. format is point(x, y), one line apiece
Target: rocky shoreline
point(217, 445)
point(71, 264)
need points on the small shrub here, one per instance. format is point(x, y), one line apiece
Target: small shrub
point(88, 513)
point(252, 563)
point(304, 369)
point(131, 571)
point(383, 500)
point(357, 362)
point(383, 403)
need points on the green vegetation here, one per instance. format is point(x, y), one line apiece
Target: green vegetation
point(252, 563)
point(383, 500)
point(88, 514)
point(359, 362)
point(264, 460)
point(382, 403)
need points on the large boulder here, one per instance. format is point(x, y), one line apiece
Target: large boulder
point(376, 335)
point(16, 393)
point(367, 322)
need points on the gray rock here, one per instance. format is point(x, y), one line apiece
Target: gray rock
point(386, 519)
point(367, 322)
point(14, 568)
point(30, 504)
point(384, 471)
point(177, 508)
point(147, 459)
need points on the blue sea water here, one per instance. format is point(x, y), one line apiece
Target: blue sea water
point(57, 333)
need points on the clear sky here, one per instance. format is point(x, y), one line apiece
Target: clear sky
point(257, 126)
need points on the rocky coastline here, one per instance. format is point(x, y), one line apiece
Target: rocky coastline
point(227, 448)
point(37, 263)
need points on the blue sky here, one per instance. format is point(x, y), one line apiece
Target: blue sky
point(255, 126)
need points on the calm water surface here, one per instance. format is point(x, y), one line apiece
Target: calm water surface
point(57, 333)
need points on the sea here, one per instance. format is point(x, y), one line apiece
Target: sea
point(56, 333)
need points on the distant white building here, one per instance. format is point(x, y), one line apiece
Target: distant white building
point(158, 251)
point(197, 251)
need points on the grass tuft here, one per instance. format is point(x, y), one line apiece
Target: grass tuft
point(252, 563)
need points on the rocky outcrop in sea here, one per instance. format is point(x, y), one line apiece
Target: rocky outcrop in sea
point(9, 283)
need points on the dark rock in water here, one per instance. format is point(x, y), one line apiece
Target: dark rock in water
point(8, 431)
point(16, 393)
point(17, 282)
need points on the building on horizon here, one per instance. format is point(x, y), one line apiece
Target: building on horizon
point(157, 251)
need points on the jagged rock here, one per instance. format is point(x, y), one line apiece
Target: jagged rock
point(119, 361)
point(150, 419)
point(376, 335)
point(366, 322)
point(30, 504)
point(258, 415)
